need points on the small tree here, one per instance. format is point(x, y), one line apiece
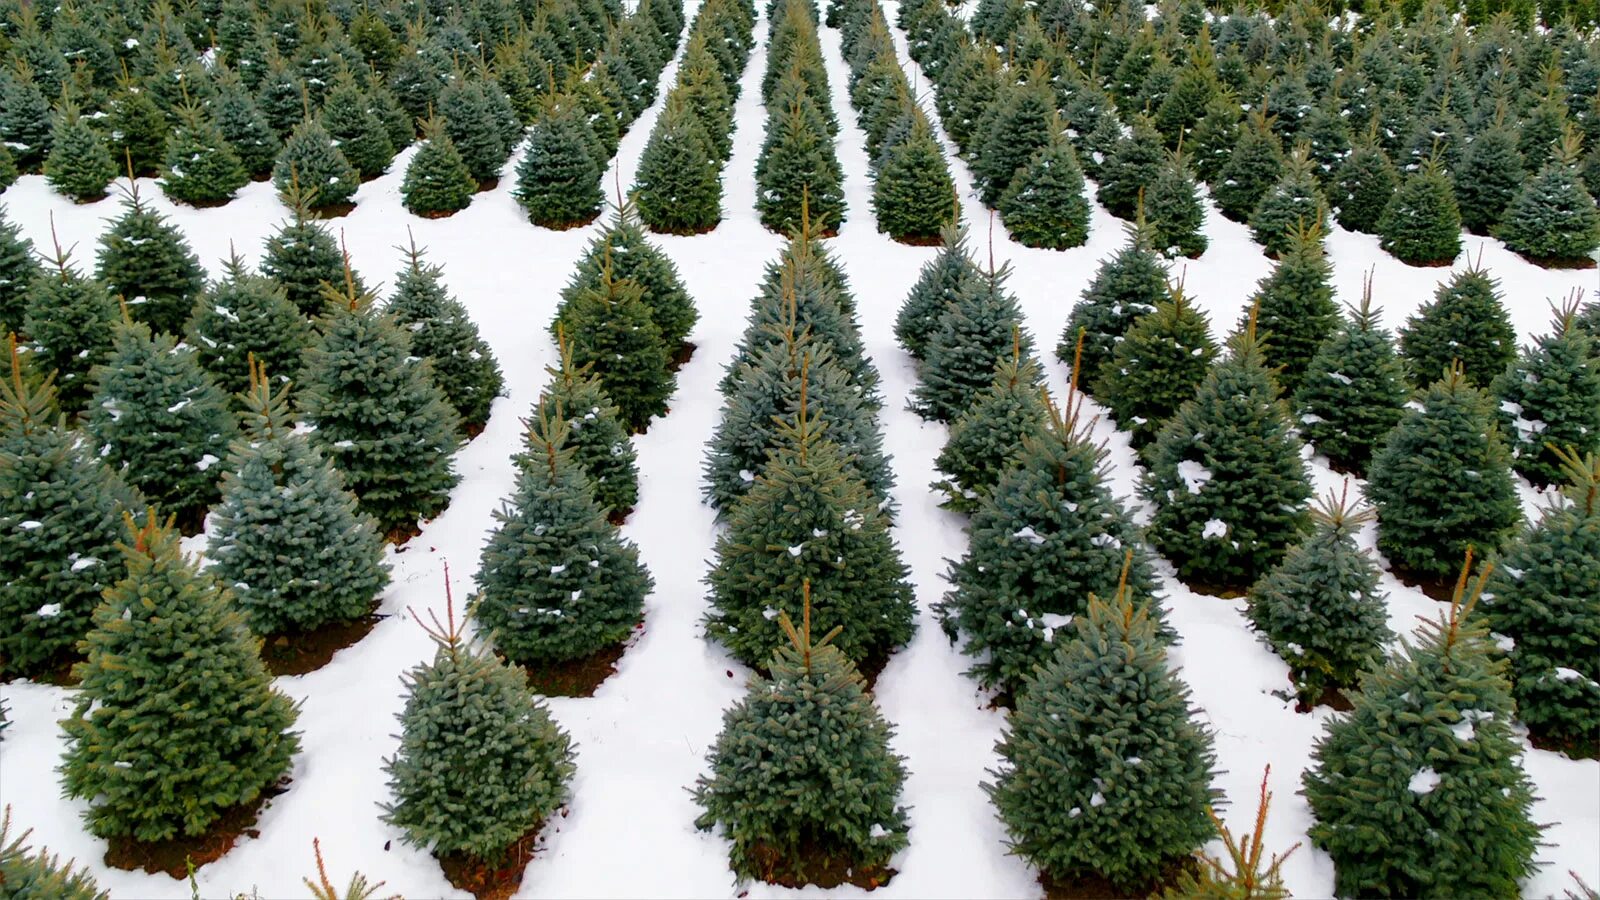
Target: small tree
point(358, 132)
point(1362, 186)
point(942, 279)
point(1421, 225)
point(1248, 880)
point(798, 175)
point(481, 763)
point(626, 251)
point(1020, 123)
point(1174, 212)
point(79, 165)
point(678, 188)
point(286, 534)
point(792, 812)
point(18, 268)
point(310, 158)
point(480, 124)
point(975, 333)
point(162, 422)
point(1442, 481)
point(246, 316)
point(1291, 208)
point(245, 129)
point(1252, 170)
point(614, 334)
point(162, 750)
point(1353, 390)
point(1553, 220)
point(987, 439)
point(437, 182)
point(1156, 368)
point(556, 582)
point(596, 434)
point(1320, 609)
point(138, 129)
point(1418, 791)
point(1549, 400)
point(1135, 163)
point(1466, 322)
point(913, 196)
point(558, 179)
point(1294, 307)
point(39, 873)
point(304, 258)
point(464, 367)
point(1104, 769)
point(145, 259)
point(1489, 177)
point(71, 321)
point(201, 168)
point(1045, 205)
point(1125, 287)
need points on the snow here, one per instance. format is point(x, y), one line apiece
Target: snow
point(642, 739)
point(1424, 781)
point(1215, 528)
point(30, 525)
point(1026, 533)
point(206, 462)
point(1195, 475)
point(49, 611)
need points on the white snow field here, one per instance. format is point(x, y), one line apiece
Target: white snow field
point(643, 737)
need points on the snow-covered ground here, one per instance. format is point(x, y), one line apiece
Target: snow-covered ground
point(643, 737)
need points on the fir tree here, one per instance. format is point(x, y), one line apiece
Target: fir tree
point(437, 182)
point(146, 261)
point(595, 433)
point(1417, 791)
point(481, 763)
point(802, 778)
point(360, 135)
point(975, 333)
point(1353, 391)
point(441, 332)
point(1174, 212)
point(18, 268)
point(947, 276)
point(1466, 322)
point(809, 526)
point(1553, 220)
point(1293, 206)
point(25, 126)
point(1048, 536)
point(304, 259)
point(1226, 477)
point(614, 333)
point(138, 129)
point(1549, 401)
point(798, 168)
point(246, 130)
point(1125, 287)
point(1294, 307)
point(1362, 187)
point(162, 422)
point(1541, 600)
point(1022, 123)
point(678, 188)
point(246, 316)
point(1105, 770)
point(913, 196)
point(310, 158)
point(378, 414)
point(1212, 141)
point(1246, 874)
point(1134, 164)
point(628, 253)
point(1045, 205)
point(1156, 368)
point(558, 179)
point(1488, 179)
point(1320, 609)
point(38, 873)
point(162, 747)
point(556, 582)
point(1442, 483)
point(286, 533)
point(477, 126)
point(201, 168)
point(61, 510)
point(1421, 225)
point(1252, 170)
point(8, 168)
point(987, 439)
point(70, 321)
point(79, 165)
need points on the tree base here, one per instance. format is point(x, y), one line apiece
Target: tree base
point(1428, 263)
point(682, 231)
point(488, 184)
point(619, 516)
point(433, 213)
point(681, 356)
point(1331, 697)
point(1558, 262)
point(300, 652)
point(174, 855)
point(817, 867)
point(1095, 887)
point(565, 224)
point(488, 880)
point(1440, 588)
point(917, 240)
point(200, 204)
point(85, 201)
point(57, 670)
point(1220, 590)
point(579, 677)
point(1572, 748)
point(333, 210)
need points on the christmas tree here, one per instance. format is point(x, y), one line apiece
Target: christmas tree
point(246, 315)
point(1246, 873)
point(1174, 212)
point(1156, 368)
point(1539, 605)
point(304, 258)
point(1125, 287)
point(1021, 123)
point(18, 268)
point(8, 168)
point(79, 165)
point(802, 779)
point(798, 168)
point(25, 123)
point(1417, 791)
point(987, 439)
point(913, 196)
point(63, 508)
point(245, 128)
point(808, 522)
point(1226, 477)
point(39, 873)
point(1553, 219)
point(201, 168)
point(1362, 186)
point(478, 124)
point(558, 179)
point(1135, 163)
point(976, 331)
point(138, 128)
point(1105, 771)
point(630, 256)
point(163, 747)
point(146, 261)
point(481, 763)
point(614, 333)
point(70, 321)
point(310, 158)
point(1320, 609)
point(437, 182)
point(287, 535)
point(1252, 170)
point(1294, 307)
point(1489, 178)
point(378, 414)
point(596, 434)
point(556, 582)
point(441, 332)
point(1549, 400)
point(162, 422)
point(679, 185)
point(1466, 322)
point(1353, 390)
point(1421, 224)
point(1442, 481)
point(1045, 205)
point(942, 279)
point(1293, 207)
point(1212, 141)
point(356, 129)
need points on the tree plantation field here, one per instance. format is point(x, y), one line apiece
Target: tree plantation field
point(521, 341)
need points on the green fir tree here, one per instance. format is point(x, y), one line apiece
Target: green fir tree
point(71, 321)
point(1488, 179)
point(1045, 205)
point(1293, 207)
point(242, 317)
point(79, 165)
point(1174, 212)
point(1362, 186)
point(913, 196)
point(1421, 225)
point(39, 873)
point(1254, 167)
point(1466, 322)
point(1552, 219)
point(1549, 401)
point(1156, 368)
point(1353, 390)
point(1125, 287)
point(947, 276)
point(987, 439)
point(437, 182)
point(558, 179)
point(145, 260)
point(678, 189)
point(201, 167)
point(310, 159)
point(464, 366)
point(596, 433)
point(18, 268)
point(1294, 307)
point(976, 331)
point(626, 251)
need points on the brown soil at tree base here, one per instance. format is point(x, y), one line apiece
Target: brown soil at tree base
point(1440, 589)
point(918, 240)
point(817, 867)
point(618, 516)
point(491, 880)
point(488, 184)
point(1572, 748)
point(1559, 262)
point(399, 536)
point(579, 677)
point(436, 213)
point(57, 670)
point(333, 210)
point(1331, 697)
point(204, 204)
point(566, 226)
point(300, 652)
point(1094, 887)
point(685, 352)
point(174, 855)
point(1220, 591)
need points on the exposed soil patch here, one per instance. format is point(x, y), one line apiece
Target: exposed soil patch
point(567, 226)
point(488, 184)
point(402, 534)
point(579, 677)
point(920, 240)
point(685, 352)
point(436, 213)
point(174, 855)
point(56, 670)
point(1573, 748)
point(299, 652)
point(491, 879)
point(1094, 887)
point(1440, 589)
point(1331, 697)
point(1558, 262)
point(619, 516)
point(333, 210)
point(818, 866)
